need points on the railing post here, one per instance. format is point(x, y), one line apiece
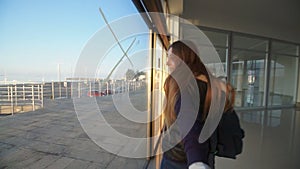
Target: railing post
point(79, 92)
point(106, 88)
point(52, 91)
point(16, 95)
point(38, 89)
point(23, 91)
point(32, 92)
point(66, 86)
point(8, 93)
point(12, 101)
point(71, 89)
point(42, 94)
point(59, 89)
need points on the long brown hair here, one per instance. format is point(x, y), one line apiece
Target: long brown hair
point(186, 51)
point(230, 98)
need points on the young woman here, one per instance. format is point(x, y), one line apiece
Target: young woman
point(186, 109)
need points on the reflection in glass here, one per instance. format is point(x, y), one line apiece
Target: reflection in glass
point(248, 70)
point(242, 42)
point(220, 42)
point(218, 39)
point(283, 75)
point(284, 48)
point(283, 78)
point(248, 77)
point(271, 141)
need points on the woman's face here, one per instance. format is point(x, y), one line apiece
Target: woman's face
point(172, 60)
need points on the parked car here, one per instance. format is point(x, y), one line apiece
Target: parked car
point(95, 93)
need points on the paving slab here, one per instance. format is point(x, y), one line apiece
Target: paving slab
point(52, 138)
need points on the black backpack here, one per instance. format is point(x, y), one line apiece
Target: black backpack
point(227, 140)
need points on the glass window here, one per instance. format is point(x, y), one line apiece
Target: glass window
point(220, 42)
point(284, 48)
point(248, 70)
point(283, 80)
point(217, 38)
point(248, 78)
point(222, 52)
point(159, 59)
point(242, 42)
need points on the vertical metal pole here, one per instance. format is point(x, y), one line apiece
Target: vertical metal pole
point(16, 95)
point(71, 91)
point(8, 93)
point(228, 57)
point(11, 101)
point(23, 91)
point(106, 88)
point(297, 77)
point(59, 88)
point(267, 74)
point(114, 88)
point(42, 93)
point(99, 86)
point(38, 89)
point(52, 90)
point(32, 93)
point(66, 86)
point(79, 92)
point(150, 105)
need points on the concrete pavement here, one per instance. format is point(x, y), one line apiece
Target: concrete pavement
point(53, 138)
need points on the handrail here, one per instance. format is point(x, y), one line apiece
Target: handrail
point(18, 97)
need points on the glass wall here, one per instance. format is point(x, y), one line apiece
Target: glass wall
point(283, 74)
point(159, 73)
point(248, 72)
point(159, 61)
point(220, 42)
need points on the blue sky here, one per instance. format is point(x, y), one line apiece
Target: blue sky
point(37, 35)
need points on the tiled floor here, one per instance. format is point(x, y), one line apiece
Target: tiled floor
point(272, 141)
point(53, 138)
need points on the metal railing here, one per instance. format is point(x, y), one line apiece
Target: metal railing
point(29, 97)
point(20, 98)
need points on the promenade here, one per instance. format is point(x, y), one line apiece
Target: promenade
point(53, 138)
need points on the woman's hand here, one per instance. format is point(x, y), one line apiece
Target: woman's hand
point(199, 165)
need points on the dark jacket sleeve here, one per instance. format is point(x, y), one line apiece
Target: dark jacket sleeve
point(190, 126)
point(195, 151)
